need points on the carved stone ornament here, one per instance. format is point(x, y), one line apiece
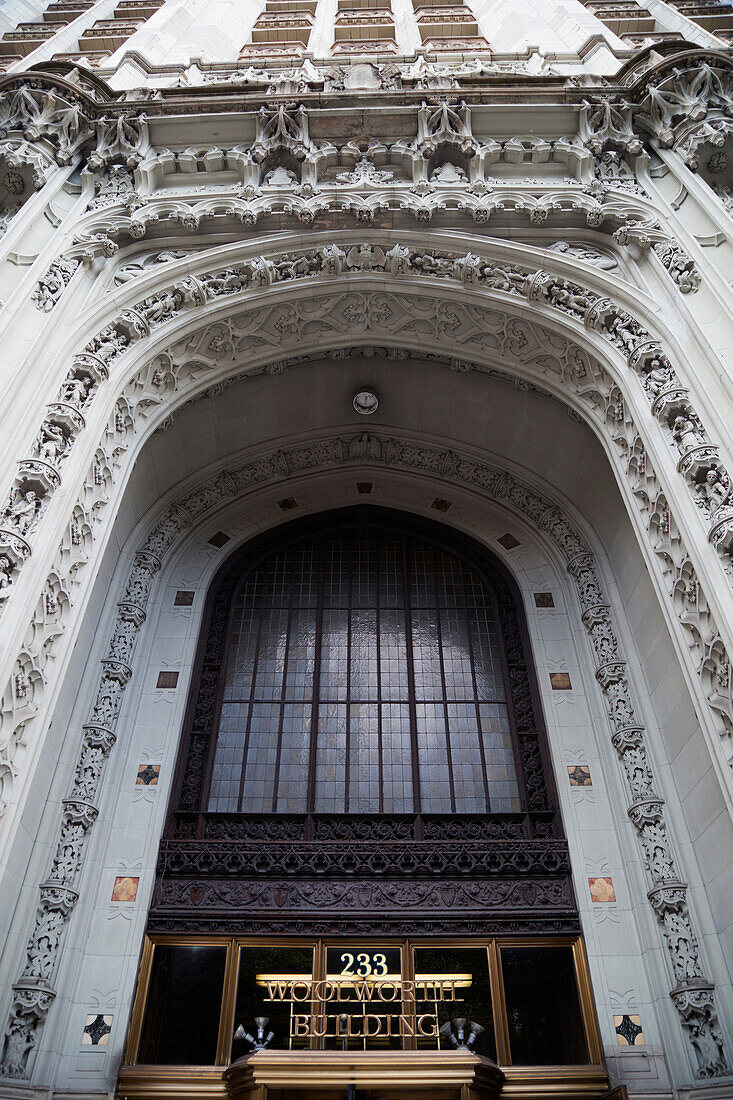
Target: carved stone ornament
point(460, 324)
point(66, 121)
point(692, 994)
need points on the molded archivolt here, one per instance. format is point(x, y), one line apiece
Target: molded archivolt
point(188, 325)
point(692, 993)
point(167, 345)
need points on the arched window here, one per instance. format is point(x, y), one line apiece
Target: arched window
point(364, 673)
point(364, 791)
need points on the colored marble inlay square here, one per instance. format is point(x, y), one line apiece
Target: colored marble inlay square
point(183, 599)
point(219, 539)
point(629, 1032)
point(601, 889)
point(560, 681)
point(167, 680)
point(579, 775)
point(364, 487)
point(441, 505)
point(287, 504)
point(508, 541)
point(543, 599)
point(96, 1032)
point(147, 775)
point(125, 888)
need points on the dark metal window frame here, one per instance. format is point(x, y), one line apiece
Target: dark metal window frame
point(534, 771)
point(405, 609)
point(492, 945)
point(373, 874)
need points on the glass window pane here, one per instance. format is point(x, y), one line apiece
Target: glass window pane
point(468, 969)
point(331, 759)
point(435, 791)
point(261, 971)
point(334, 655)
point(363, 758)
point(543, 1006)
point(465, 750)
point(365, 1012)
point(397, 796)
point(376, 617)
point(292, 784)
point(183, 976)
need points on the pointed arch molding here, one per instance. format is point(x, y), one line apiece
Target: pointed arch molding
point(693, 995)
point(274, 311)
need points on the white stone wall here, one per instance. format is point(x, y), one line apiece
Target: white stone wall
point(565, 259)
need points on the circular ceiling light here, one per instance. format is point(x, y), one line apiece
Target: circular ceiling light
point(366, 402)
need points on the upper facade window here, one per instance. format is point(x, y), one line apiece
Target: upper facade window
point(364, 674)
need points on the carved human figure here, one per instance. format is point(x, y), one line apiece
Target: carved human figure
point(52, 443)
point(109, 343)
point(225, 282)
point(583, 252)
point(432, 265)
point(19, 1041)
point(569, 298)
point(496, 277)
point(75, 391)
point(6, 584)
point(715, 490)
point(21, 512)
point(620, 327)
point(686, 434)
point(161, 307)
point(293, 267)
point(657, 377)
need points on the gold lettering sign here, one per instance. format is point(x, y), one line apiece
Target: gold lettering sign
point(366, 995)
point(297, 990)
point(367, 1026)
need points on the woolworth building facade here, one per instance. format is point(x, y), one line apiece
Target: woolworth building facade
point(366, 550)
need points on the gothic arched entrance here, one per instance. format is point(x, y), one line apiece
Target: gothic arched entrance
point(364, 856)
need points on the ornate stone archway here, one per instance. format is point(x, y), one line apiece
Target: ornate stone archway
point(693, 994)
point(272, 312)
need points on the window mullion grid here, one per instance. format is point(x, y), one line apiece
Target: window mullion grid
point(281, 715)
point(312, 762)
point(250, 708)
point(474, 683)
point(417, 800)
point(439, 631)
point(349, 607)
point(378, 544)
